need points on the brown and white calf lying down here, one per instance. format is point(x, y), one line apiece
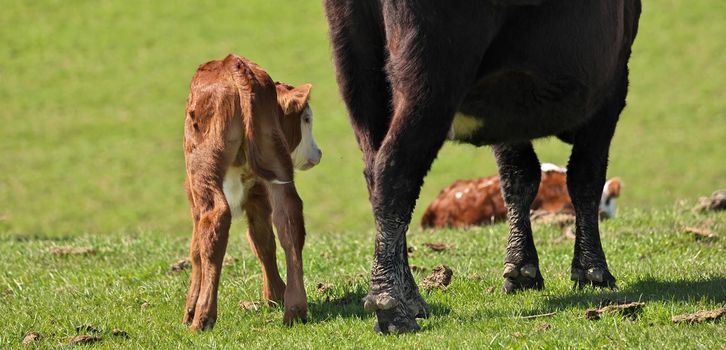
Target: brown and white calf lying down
point(243, 135)
point(479, 201)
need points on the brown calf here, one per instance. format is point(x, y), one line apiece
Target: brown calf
point(479, 201)
point(239, 134)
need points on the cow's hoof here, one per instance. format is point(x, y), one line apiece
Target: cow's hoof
point(395, 322)
point(392, 315)
point(525, 277)
point(295, 314)
point(382, 301)
point(596, 277)
point(419, 307)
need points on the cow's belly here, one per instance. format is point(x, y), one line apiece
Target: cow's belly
point(515, 106)
point(237, 183)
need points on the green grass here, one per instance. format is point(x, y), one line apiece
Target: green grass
point(127, 284)
point(92, 97)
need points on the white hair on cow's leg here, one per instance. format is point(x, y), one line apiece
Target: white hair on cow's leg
point(306, 154)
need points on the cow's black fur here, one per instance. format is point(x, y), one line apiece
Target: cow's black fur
point(524, 69)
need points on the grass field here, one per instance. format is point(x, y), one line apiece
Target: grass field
point(92, 97)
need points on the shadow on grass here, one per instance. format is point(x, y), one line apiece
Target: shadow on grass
point(350, 305)
point(712, 289)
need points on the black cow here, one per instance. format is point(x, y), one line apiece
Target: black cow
point(510, 71)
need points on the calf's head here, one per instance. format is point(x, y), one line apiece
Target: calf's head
point(297, 125)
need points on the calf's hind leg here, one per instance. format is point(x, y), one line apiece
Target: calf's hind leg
point(212, 233)
point(287, 215)
point(196, 278)
point(520, 173)
point(262, 241)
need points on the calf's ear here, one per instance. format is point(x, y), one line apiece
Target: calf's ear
point(294, 100)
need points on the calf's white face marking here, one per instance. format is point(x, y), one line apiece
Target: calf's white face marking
point(307, 154)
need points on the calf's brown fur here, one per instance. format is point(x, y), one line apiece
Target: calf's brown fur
point(235, 122)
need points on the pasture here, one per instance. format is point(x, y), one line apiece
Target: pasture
point(92, 97)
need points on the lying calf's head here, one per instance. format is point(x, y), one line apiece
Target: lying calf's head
point(297, 125)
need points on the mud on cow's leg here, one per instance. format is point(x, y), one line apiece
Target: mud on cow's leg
point(401, 165)
point(586, 173)
point(519, 171)
point(401, 113)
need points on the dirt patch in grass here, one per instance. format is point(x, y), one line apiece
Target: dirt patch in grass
point(347, 299)
point(700, 233)
point(32, 337)
point(627, 310)
point(716, 202)
point(544, 217)
point(88, 328)
point(324, 287)
point(119, 333)
point(416, 268)
point(440, 277)
point(250, 305)
point(438, 247)
point(700, 316)
point(180, 265)
point(85, 339)
point(543, 327)
point(70, 250)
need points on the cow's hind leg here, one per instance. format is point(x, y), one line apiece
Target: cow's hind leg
point(358, 50)
point(586, 174)
point(357, 40)
point(426, 94)
point(401, 165)
point(520, 173)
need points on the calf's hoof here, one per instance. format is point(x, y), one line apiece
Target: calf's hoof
point(188, 316)
point(521, 278)
point(394, 316)
point(596, 277)
point(295, 314)
point(203, 324)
